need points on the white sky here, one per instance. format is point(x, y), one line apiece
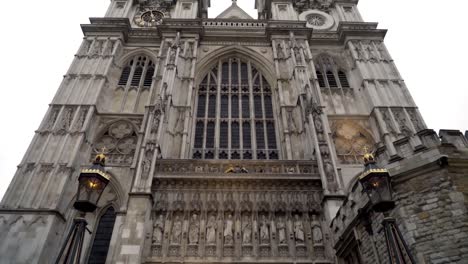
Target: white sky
point(39, 38)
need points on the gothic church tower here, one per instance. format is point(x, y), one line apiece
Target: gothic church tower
point(228, 140)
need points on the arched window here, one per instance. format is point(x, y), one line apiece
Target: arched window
point(133, 86)
point(343, 79)
point(244, 127)
point(329, 75)
point(331, 80)
point(321, 80)
point(102, 238)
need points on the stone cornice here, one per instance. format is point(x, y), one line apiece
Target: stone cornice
point(107, 25)
point(248, 30)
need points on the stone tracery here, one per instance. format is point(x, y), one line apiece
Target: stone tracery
point(118, 142)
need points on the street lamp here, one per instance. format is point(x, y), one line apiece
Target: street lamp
point(376, 183)
point(91, 185)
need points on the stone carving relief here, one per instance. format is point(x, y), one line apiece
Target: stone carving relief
point(280, 51)
point(350, 139)
point(81, 118)
point(214, 225)
point(317, 233)
point(108, 48)
point(158, 230)
point(96, 48)
point(65, 121)
point(384, 55)
point(400, 118)
point(176, 230)
point(85, 47)
point(372, 51)
point(229, 230)
point(147, 161)
point(194, 229)
point(246, 230)
point(414, 117)
point(52, 118)
point(388, 122)
point(172, 54)
point(281, 230)
point(302, 5)
point(298, 229)
point(264, 230)
point(118, 142)
point(211, 230)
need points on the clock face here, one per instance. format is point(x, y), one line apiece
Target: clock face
point(148, 18)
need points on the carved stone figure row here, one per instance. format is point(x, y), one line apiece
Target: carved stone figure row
point(286, 48)
point(267, 229)
point(62, 120)
point(97, 47)
point(302, 5)
point(372, 51)
point(397, 123)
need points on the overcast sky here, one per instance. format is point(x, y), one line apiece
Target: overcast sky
point(426, 38)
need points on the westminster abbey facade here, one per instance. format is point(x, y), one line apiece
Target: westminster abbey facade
point(235, 140)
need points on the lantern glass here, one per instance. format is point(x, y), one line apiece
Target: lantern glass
point(379, 190)
point(90, 188)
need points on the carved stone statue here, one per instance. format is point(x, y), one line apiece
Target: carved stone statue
point(85, 48)
point(189, 51)
point(172, 55)
point(109, 48)
point(291, 122)
point(158, 229)
point(156, 121)
point(329, 171)
point(317, 233)
point(382, 51)
point(194, 229)
point(211, 230)
point(281, 229)
point(298, 230)
point(372, 53)
point(246, 230)
point(297, 54)
point(264, 231)
point(280, 52)
point(361, 53)
point(96, 48)
point(229, 231)
point(176, 230)
point(147, 162)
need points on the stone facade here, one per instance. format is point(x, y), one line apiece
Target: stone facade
point(235, 140)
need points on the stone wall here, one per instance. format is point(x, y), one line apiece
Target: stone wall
point(431, 209)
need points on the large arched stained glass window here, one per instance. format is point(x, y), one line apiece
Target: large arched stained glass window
point(234, 114)
point(102, 237)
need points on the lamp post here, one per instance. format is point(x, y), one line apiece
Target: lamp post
point(377, 185)
point(91, 185)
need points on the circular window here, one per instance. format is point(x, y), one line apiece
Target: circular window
point(317, 19)
point(148, 18)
